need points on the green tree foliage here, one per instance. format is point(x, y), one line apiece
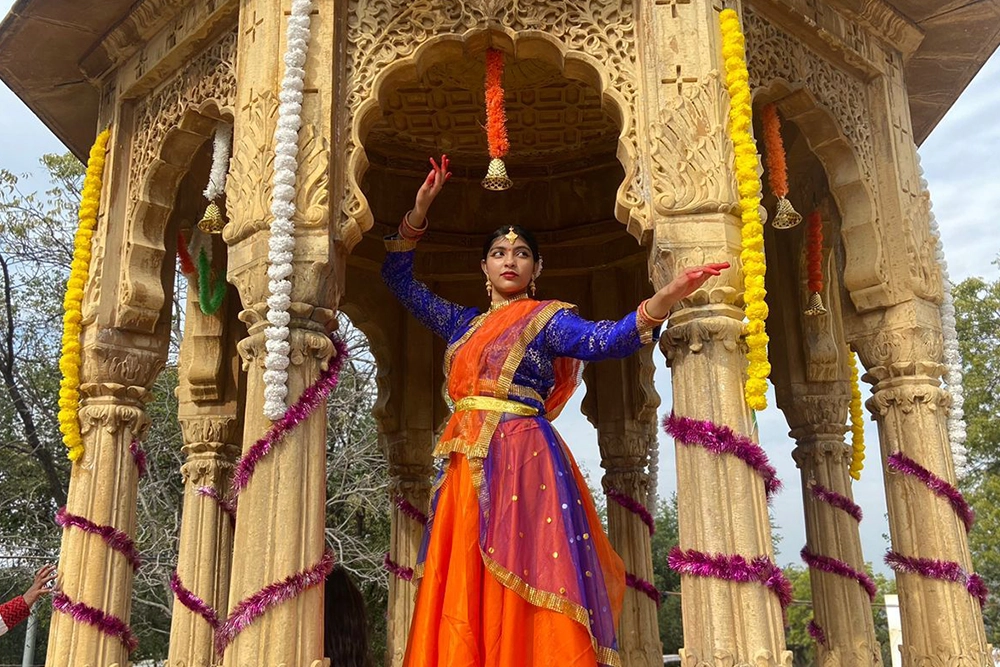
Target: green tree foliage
point(36, 232)
point(800, 613)
point(666, 580)
point(977, 315)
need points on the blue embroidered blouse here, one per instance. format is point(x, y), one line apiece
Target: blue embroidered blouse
point(566, 334)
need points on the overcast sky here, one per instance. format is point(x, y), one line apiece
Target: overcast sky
point(961, 164)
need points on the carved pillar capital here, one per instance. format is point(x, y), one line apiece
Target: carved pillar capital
point(695, 330)
point(816, 412)
point(212, 445)
point(306, 339)
point(119, 365)
point(902, 341)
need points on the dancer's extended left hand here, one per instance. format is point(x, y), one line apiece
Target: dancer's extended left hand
point(682, 286)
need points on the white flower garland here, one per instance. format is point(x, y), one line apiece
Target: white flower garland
point(282, 240)
point(654, 468)
point(952, 356)
point(220, 162)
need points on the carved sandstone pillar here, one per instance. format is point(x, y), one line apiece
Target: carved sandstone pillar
point(624, 456)
point(281, 518)
point(209, 404)
point(721, 503)
point(211, 443)
point(942, 622)
point(817, 414)
point(693, 211)
point(117, 376)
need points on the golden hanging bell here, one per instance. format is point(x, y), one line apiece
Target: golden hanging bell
point(785, 217)
point(212, 222)
point(496, 176)
point(815, 306)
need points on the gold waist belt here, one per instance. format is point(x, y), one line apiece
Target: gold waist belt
point(490, 404)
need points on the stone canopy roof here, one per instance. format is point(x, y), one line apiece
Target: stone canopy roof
point(51, 52)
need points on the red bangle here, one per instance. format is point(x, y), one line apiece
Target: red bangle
point(644, 314)
point(408, 231)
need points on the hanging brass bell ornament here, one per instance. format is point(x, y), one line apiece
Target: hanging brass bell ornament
point(815, 305)
point(785, 217)
point(496, 176)
point(212, 222)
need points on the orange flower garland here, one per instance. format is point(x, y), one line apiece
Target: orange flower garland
point(496, 115)
point(777, 168)
point(496, 123)
point(814, 261)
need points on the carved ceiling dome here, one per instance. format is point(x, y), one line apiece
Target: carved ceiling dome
point(553, 123)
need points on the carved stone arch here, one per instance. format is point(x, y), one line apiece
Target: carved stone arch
point(830, 107)
point(865, 269)
point(171, 125)
point(398, 41)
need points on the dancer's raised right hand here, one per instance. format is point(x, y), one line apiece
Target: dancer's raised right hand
point(432, 185)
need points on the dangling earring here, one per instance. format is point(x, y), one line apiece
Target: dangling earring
point(532, 288)
point(489, 288)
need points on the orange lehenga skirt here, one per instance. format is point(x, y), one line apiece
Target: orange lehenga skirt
point(465, 617)
point(516, 568)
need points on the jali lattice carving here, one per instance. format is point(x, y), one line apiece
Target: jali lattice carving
point(774, 54)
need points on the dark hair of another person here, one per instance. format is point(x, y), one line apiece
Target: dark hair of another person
point(523, 233)
point(345, 627)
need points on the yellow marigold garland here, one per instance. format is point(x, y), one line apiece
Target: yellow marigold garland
point(748, 182)
point(69, 362)
point(857, 423)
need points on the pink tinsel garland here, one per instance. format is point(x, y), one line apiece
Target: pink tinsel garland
point(105, 623)
point(840, 568)
point(408, 508)
point(249, 610)
point(723, 440)
point(404, 573)
point(114, 538)
point(633, 506)
point(733, 568)
point(838, 500)
point(643, 586)
point(904, 464)
point(139, 456)
point(297, 413)
point(227, 506)
point(193, 602)
point(816, 632)
point(939, 569)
